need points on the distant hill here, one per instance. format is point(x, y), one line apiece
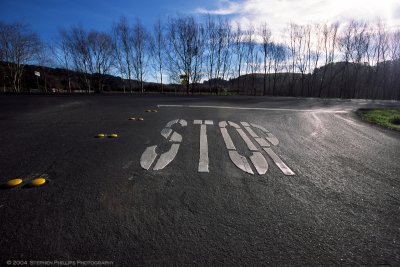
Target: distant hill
point(336, 80)
point(58, 79)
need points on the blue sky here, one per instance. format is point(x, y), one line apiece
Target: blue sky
point(46, 16)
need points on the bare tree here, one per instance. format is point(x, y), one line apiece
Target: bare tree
point(19, 46)
point(76, 39)
point(279, 55)
point(101, 48)
point(211, 42)
point(315, 54)
point(265, 34)
point(394, 50)
point(292, 46)
point(198, 55)
point(182, 34)
point(62, 53)
point(238, 45)
point(251, 55)
point(301, 36)
point(158, 51)
point(45, 59)
point(141, 49)
point(381, 47)
point(122, 35)
point(329, 42)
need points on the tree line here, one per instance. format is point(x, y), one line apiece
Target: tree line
point(349, 60)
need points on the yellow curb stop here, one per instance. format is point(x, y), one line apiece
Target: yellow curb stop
point(37, 182)
point(113, 135)
point(100, 135)
point(14, 182)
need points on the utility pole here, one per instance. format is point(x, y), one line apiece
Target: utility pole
point(37, 74)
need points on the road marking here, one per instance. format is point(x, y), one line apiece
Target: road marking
point(272, 139)
point(176, 138)
point(234, 125)
point(349, 121)
point(247, 140)
point(222, 124)
point(148, 157)
point(167, 157)
point(183, 123)
point(262, 142)
point(281, 165)
point(267, 109)
point(203, 160)
point(251, 132)
point(257, 158)
point(260, 127)
point(259, 162)
point(240, 161)
point(170, 123)
point(228, 141)
point(166, 132)
point(203, 154)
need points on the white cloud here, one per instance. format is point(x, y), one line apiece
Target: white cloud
point(279, 13)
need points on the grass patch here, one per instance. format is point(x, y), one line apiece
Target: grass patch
point(389, 118)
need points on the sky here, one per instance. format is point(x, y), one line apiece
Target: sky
point(47, 16)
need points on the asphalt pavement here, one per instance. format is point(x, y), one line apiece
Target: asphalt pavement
point(201, 180)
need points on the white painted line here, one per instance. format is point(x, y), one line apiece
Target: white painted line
point(170, 123)
point(197, 122)
point(183, 123)
point(281, 165)
point(148, 157)
point(349, 121)
point(234, 125)
point(203, 160)
point(268, 109)
point(208, 122)
point(177, 106)
point(260, 127)
point(262, 142)
point(244, 123)
point(259, 162)
point(222, 124)
point(167, 157)
point(251, 132)
point(166, 132)
point(228, 141)
point(247, 140)
point(176, 137)
point(240, 161)
point(272, 139)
